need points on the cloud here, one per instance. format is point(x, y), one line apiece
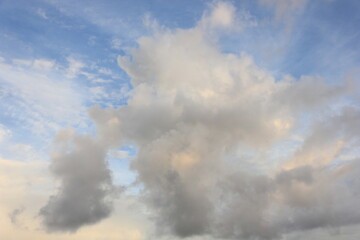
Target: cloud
point(33, 92)
point(192, 106)
point(37, 64)
point(43, 64)
point(24, 189)
point(222, 15)
point(4, 133)
point(299, 199)
point(84, 194)
point(41, 12)
point(15, 214)
point(328, 139)
point(286, 10)
point(191, 109)
point(116, 44)
point(74, 67)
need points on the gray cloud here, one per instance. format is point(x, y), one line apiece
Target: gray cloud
point(304, 198)
point(192, 108)
point(84, 194)
point(14, 215)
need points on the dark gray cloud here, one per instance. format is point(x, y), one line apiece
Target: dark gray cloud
point(304, 198)
point(84, 194)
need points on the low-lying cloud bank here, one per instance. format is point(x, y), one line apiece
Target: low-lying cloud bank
point(192, 108)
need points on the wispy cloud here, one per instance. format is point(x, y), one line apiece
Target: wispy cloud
point(286, 11)
point(41, 12)
point(74, 67)
point(36, 95)
point(4, 133)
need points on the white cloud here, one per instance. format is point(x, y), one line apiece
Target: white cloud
point(41, 12)
point(92, 40)
point(43, 64)
point(101, 80)
point(286, 10)
point(38, 64)
point(22, 62)
point(222, 15)
point(116, 44)
point(4, 133)
point(74, 67)
point(98, 92)
point(44, 103)
point(120, 154)
point(105, 71)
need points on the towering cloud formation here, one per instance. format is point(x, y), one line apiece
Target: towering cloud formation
point(85, 184)
point(192, 109)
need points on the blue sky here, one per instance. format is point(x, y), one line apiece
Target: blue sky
point(59, 59)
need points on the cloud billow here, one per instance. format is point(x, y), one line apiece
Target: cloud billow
point(85, 185)
point(192, 107)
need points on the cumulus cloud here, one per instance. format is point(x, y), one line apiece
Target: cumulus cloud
point(191, 108)
point(84, 194)
point(24, 187)
point(221, 16)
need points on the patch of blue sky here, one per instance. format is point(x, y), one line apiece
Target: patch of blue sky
point(29, 35)
point(118, 16)
point(257, 36)
point(323, 40)
point(36, 30)
point(326, 40)
point(119, 162)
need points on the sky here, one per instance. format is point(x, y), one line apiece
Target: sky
point(169, 120)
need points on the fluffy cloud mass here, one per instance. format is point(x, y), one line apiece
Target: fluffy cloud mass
point(85, 181)
point(196, 115)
